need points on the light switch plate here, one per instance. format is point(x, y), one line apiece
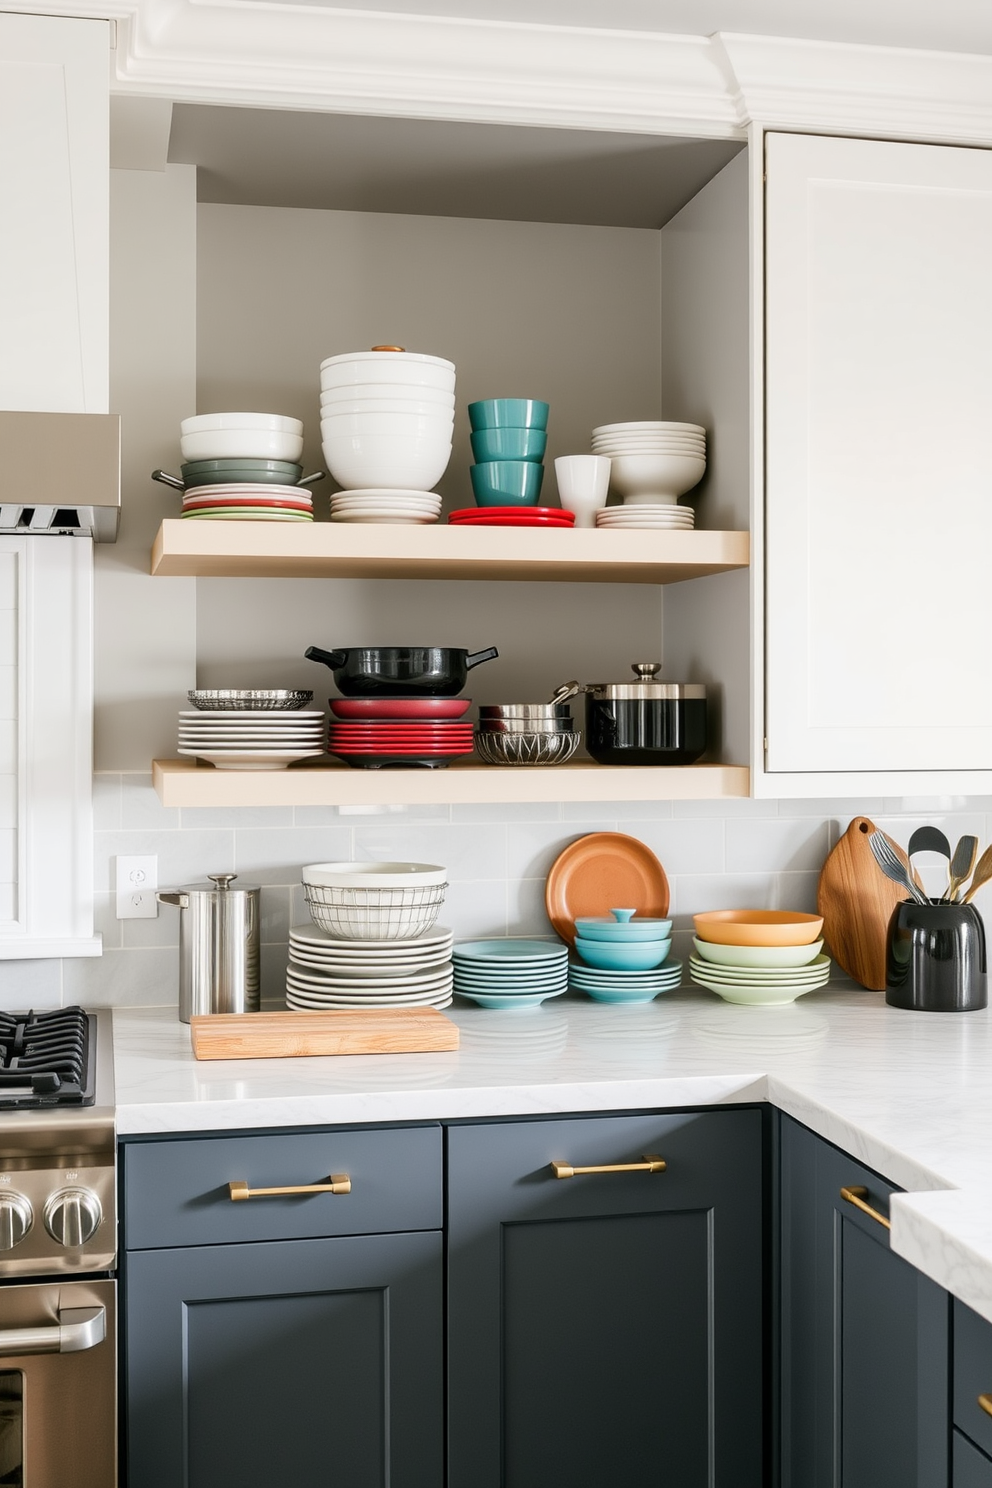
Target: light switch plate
point(137, 880)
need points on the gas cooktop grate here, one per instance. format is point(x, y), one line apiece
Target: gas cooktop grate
point(46, 1059)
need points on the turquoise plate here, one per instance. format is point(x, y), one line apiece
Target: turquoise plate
point(509, 950)
point(501, 1003)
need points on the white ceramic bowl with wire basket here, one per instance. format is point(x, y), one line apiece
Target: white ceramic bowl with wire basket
point(374, 901)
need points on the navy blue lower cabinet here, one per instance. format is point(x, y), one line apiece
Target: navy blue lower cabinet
point(299, 1363)
point(607, 1328)
point(864, 1336)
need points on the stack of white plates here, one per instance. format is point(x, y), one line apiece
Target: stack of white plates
point(652, 461)
point(510, 975)
point(233, 739)
point(248, 501)
point(327, 972)
point(657, 515)
point(381, 504)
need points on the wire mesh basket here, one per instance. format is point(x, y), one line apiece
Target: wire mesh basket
point(375, 914)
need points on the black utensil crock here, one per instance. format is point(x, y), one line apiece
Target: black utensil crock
point(935, 959)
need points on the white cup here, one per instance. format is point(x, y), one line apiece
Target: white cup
point(583, 483)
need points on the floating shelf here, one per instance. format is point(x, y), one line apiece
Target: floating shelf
point(185, 783)
point(342, 550)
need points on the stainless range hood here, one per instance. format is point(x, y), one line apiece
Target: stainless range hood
point(60, 474)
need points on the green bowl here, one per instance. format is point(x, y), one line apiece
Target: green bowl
point(509, 444)
point(259, 472)
point(508, 413)
point(766, 957)
point(507, 482)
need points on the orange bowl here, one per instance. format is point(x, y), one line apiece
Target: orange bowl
point(758, 927)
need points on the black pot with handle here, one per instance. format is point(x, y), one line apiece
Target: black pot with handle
point(645, 721)
point(400, 671)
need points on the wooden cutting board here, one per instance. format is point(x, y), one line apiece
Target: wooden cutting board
point(856, 901)
point(295, 1035)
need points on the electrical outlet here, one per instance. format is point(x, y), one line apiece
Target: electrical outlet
point(137, 880)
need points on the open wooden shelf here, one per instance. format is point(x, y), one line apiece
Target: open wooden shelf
point(341, 550)
point(186, 783)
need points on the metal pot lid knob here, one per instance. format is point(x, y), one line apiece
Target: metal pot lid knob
point(646, 671)
point(222, 880)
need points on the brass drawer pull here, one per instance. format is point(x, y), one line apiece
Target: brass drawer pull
point(985, 1401)
point(857, 1196)
point(650, 1164)
point(340, 1184)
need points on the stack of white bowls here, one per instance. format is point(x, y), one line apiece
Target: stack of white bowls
point(653, 463)
point(241, 436)
point(387, 421)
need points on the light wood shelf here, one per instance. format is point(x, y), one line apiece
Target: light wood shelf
point(340, 550)
point(186, 783)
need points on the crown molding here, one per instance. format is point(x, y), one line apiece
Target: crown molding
point(943, 97)
point(264, 54)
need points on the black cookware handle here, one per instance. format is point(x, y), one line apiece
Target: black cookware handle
point(333, 659)
point(489, 654)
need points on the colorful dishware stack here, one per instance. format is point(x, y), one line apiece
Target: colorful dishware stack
point(759, 957)
point(509, 437)
point(652, 464)
point(622, 958)
point(372, 732)
point(510, 975)
point(243, 466)
point(386, 420)
point(373, 942)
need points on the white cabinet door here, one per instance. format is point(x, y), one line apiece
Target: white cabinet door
point(878, 456)
point(54, 184)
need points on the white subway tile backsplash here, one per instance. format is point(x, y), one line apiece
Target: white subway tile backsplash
point(776, 846)
point(718, 855)
point(34, 984)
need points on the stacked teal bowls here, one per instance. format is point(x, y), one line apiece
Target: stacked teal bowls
point(623, 959)
point(509, 437)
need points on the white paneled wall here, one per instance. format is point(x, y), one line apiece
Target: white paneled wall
point(717, 854)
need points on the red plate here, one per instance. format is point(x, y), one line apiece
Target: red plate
point(513, 522)
point(415, 751)
point(466, 513)
point(377, 739)
point(418, 730)
point(400, 708)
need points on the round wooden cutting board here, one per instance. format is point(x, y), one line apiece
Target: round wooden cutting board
point(856, 901)
point(604, 871)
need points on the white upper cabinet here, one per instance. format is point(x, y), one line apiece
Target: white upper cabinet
point(54, 161)
point(878, 351)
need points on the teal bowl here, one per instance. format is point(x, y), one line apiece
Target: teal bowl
point(509, 444)
point(507, 482)
point(609, 955)
point(508, 413)
point(626, 932)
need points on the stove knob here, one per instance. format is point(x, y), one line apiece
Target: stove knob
point(73, 1216)
point(16, 1218)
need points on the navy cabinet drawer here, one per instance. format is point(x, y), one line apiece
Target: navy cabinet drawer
point(972, 1374)
point(972, 1469)
point(176, 1192)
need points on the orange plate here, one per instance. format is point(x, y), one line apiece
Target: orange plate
point(758, 927)
point(604, 871)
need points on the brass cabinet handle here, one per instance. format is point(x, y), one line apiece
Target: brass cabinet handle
point(985, 1401)
point(340, 1184)
point(650, 1164)
point(856, 1195)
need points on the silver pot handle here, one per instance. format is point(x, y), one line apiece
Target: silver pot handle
point(78, 1328)
point(179, 900)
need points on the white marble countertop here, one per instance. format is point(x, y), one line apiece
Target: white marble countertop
point(909, 1094)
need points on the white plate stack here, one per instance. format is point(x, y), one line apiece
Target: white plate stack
point(254, 739)
point(387, 419)
point(660, 517)
point(380, 504)
point(327, 972)
point(653, 462)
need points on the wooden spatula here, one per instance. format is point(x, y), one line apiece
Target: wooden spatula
point(856, 901)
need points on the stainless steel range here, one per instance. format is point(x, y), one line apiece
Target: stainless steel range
point(58, 1247)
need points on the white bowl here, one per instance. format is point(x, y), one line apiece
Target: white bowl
point(210, 423)
point(406, 392)
point(243, 444)
point(656, 475)
point(409, 367)
point(373, 875)
point(406, 463)
point(388, 425)
point(651, 441)
point(421, 407)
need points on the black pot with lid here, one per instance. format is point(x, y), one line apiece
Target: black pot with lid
point(645, 721)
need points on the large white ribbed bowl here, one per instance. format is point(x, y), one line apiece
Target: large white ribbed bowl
point(412, 368)
point(403, 464)
point(406, 392)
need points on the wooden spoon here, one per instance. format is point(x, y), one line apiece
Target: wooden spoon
point(983, 872)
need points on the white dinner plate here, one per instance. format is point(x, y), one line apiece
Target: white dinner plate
point(314, 935)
